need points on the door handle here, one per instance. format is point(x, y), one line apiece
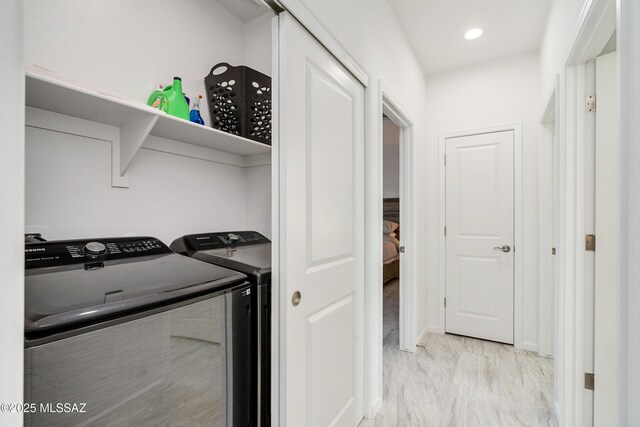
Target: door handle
point(504, 248)
point(295, 299)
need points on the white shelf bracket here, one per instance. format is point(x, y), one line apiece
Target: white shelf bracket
point(117, 179)
point(132, 136)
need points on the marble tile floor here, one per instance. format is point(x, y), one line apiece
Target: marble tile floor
point(459, 381)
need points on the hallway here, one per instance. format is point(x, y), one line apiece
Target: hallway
point(458, 381)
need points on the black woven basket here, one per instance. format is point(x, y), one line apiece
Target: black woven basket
point(240, 101)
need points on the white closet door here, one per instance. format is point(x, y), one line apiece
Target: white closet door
point(321, 233)
point(480, 232)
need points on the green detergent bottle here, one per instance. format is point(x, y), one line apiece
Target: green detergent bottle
point(170, 100)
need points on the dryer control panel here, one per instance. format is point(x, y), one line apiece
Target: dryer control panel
point(67, 252)
point(227, 239)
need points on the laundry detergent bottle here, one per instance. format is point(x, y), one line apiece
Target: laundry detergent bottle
point(171, 100)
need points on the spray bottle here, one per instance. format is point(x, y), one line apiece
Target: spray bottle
point(195, 115)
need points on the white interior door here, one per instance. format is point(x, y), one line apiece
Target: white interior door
point(321, 232)
point(606, 309)
point(480, 235)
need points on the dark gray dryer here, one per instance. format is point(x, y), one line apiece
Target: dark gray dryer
point(248, 252)
point(134, 334)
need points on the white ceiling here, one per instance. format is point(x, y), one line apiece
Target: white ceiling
point(245, 10)
point(436, 29)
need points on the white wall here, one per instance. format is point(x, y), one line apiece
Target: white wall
point(258, 199)
point(372, 35)
point(12, 211)
point(152, 42)
point(559, 35)
point(257, 43)
point(69, 193)
point(391, 160)
point(493, 93)
point(189, 195)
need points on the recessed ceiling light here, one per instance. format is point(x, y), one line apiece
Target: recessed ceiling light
point(473, 34)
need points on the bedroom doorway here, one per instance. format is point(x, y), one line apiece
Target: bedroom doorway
point(375, 350)
point(397, 223)
point(391, 237)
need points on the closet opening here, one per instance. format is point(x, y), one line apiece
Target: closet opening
point(148, 177)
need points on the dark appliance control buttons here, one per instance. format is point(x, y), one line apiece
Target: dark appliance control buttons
point(95, 248)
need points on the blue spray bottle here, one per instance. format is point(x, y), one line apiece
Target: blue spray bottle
point(195, 115)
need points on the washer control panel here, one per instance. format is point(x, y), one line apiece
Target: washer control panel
point(95, 248)
point(66, 252)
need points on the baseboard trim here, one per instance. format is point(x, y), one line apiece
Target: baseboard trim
point(425, 330)
point(528, 346)
point(374, 408)
point(434, 329)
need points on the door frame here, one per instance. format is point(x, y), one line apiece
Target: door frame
point(629, 69)
point(596, 23)
point(518, 226)
point(379, 100)
point(407, 267)
point(605, 260)
point(12, 191)
point(278, 405)
point(548, 220)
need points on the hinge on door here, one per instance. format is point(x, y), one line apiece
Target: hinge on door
point(591, 103)
point(589, 381)
point(445, 160)
point(445, 231)
point(590, 242)
point(445, 302)
point(553, 251)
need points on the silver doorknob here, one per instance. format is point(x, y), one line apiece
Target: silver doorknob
point(504, 248)
point(295, 299)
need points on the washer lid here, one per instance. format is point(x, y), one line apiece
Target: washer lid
point(76, 293)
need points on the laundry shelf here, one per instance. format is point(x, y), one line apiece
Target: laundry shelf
point(50, 92)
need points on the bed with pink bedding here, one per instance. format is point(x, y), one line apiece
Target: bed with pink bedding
point(390, 239)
